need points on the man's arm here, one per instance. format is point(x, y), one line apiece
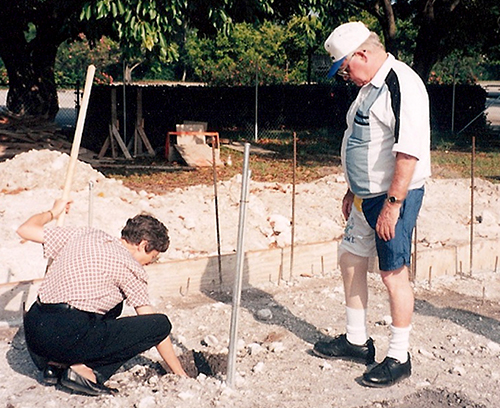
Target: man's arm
point(403, 173)
point(32, 229)
point(165, 348)
point(347, 203)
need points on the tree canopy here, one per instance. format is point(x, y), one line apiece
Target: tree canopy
point(278, 39)
point(32, 31)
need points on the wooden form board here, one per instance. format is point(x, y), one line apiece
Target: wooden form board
point(180, 278)
point(202, 274)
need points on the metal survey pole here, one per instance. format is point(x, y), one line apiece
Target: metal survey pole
point(472, 187)
point(257, 101)
point(293, 202)
point(91, 202)
point(231, 358)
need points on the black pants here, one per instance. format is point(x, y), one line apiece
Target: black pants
point(102, 342)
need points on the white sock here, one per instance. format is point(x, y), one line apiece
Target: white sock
point(399, 343)
point(356, 326)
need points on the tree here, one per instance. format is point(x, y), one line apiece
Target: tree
point(442, 26)
point(32, 30)
point(232, 59)
point(30, 33)
point(305, 37)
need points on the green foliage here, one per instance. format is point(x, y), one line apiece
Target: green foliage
point(74, 58)
point(140, 26)
point(237, 58)
point(457, 68)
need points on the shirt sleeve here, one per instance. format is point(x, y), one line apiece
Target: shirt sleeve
point(55, 238)
point(414, 122)
point(135, 287)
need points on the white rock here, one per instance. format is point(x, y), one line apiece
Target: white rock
point(264, 314)
point(254, 348)
point(153, 380)
point(279, 223)
point(276, 347)
point(425, 353)
point(211, 341)
point(147, 402)
point(493, 347)
point(325, 365)
point(257, 368)
point(458, 370)
point(185, 395)
point(240, 345)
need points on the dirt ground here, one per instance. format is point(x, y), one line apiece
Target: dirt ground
point(455, 342)
point(455, 349)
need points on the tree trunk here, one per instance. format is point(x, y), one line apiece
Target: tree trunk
point(30, 67)
point(388, 22)
point(435, 21)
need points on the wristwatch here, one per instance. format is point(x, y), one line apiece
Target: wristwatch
point(393, 200)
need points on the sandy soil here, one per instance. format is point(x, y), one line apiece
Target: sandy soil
point(455, 344)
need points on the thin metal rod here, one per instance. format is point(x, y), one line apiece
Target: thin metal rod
point(413, 274)
point(294, 172)
point(257, 100)
point(473, 159)
point(217, 227)
point(231, 359)
point(91, 203)
point(124, 104)
point(479, 115)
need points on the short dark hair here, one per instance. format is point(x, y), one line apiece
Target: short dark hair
point(148, 228)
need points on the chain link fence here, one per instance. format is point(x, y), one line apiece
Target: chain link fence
point(69, 104)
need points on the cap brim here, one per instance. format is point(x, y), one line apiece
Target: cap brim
point(335, 67)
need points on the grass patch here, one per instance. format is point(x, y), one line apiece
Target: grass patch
point(317, 156)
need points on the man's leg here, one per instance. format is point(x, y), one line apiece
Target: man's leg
point(355, 344)
point(122, 339)
point(401, 302)
point(354, 270)
point(397, 365)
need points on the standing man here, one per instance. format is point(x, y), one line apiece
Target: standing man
point(386, 160)
point(72, 330)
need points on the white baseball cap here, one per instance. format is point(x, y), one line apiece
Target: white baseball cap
point(345, 39)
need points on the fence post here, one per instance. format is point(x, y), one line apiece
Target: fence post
point(77, 101)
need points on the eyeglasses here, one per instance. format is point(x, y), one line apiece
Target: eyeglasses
point(344, 72)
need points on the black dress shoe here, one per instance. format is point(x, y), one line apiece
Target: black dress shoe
point(52, 374)
point(74, 381)
point(340, 347)
point(387, 373)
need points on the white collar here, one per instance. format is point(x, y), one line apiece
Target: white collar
point(379, 78)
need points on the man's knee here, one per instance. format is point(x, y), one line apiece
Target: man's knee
point(395, 279)
point(350, 261)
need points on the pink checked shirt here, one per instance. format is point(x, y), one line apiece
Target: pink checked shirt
point(91, 271)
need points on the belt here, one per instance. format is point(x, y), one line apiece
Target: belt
point(53, 307)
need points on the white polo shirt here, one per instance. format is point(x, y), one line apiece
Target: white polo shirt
point(390, 115)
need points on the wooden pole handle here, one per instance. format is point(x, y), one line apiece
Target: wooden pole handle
point(75, 148)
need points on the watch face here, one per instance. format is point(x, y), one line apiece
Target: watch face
point(392, 199)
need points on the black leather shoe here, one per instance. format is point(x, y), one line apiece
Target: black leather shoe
point(340, 347)
point(52, 374)
point(387, 373)
point(74, 381)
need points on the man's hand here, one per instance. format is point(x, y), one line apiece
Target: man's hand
point(32, 229)
point(347, 203)
point(387, 220)
point(165, 348)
